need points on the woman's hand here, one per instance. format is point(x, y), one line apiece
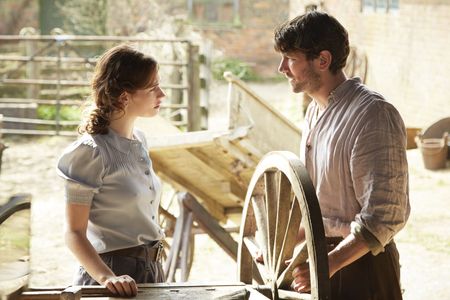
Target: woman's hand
point(123, 286)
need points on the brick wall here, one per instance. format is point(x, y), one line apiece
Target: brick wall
point(252, 42)
point(16, 14)
point(407, 49)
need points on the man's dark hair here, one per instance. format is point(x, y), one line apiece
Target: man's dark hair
point(311, 33)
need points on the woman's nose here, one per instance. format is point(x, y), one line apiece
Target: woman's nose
point(162, 94)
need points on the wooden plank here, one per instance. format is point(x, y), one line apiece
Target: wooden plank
point(71, 293)
point(185, 242)
point(152, 291)
point(182, 184)
point(236, 184)
point(264, 119)
point(211, 226)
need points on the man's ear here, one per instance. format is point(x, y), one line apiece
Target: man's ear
point(325, 58)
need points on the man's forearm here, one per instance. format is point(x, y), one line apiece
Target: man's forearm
point(349, 250)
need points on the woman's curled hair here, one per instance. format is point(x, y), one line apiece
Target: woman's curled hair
point(120, 69)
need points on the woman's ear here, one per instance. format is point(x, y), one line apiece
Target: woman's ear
point(325, 58)
point(124, 98)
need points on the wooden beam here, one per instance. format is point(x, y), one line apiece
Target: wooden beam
point(181, 184)
point(211, 226)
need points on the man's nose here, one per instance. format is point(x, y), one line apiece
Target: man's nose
point(282, 66)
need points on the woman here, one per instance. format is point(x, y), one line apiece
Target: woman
point(112, 192)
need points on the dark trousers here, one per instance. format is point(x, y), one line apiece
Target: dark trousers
point(369, 278)
point(142, 270)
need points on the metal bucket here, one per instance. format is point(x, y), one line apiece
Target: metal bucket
point(434, 152)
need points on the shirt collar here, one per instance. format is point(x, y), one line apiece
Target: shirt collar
point(120, 143)
point(339, 92)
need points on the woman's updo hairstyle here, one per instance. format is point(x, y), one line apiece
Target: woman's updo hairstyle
point(121, 69)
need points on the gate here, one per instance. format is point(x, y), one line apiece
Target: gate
point(45, 79)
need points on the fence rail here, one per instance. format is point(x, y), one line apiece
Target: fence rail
point(40, 68)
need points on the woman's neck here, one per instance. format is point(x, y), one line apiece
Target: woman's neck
point(122, 125)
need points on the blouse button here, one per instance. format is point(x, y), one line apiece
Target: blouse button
point(147, 172)
point(141, 159)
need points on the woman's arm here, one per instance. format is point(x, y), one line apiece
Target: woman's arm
point(77, 219)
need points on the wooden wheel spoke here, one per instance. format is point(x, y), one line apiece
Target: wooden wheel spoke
point(300, 256)
point(289, 239)
point(252, 247)
point(271, 209)
point(259, 210)
point(284, 212)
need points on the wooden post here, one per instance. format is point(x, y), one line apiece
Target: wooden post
point(186, 239)
point(194, 109)
point(32, 70)
point(58, 89)
point(172, 259)
point(206, 80)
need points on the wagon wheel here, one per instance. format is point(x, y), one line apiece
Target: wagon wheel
point(279, 200)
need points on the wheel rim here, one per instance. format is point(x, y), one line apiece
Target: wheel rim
point(279, 199)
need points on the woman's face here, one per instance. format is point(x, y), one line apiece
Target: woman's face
point(146, 102)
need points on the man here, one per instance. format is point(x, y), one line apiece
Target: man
point(353, 146)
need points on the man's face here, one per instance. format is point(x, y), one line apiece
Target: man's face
point(300, 72)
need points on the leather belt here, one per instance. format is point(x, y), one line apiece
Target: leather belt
point(152, 253)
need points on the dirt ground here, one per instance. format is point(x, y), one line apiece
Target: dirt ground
point(424, 244)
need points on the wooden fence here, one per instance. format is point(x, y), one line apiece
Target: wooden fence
point(39, 71)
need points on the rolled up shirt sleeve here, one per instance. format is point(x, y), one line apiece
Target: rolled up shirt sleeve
point(379, 172)
point(82, 168)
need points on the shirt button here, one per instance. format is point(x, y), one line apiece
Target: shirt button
point(151, 202)
point(147, 172)
point(153, 217)
point(141, 159)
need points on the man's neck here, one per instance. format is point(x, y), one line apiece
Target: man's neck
point(329, 83)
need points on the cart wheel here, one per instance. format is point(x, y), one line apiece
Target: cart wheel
point(279, 199)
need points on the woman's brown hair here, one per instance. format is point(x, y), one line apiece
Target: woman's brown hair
point(120, 69)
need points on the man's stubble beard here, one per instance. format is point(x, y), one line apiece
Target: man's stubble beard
point(312, 83)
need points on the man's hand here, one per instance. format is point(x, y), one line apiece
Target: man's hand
point(259, 256)
point(301, 282)
point(123, 286)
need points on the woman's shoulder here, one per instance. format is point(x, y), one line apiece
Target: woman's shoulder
point(85, 147)
point(82, 154)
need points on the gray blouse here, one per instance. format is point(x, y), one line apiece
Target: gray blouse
point(355, 153)
point(114, 176)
